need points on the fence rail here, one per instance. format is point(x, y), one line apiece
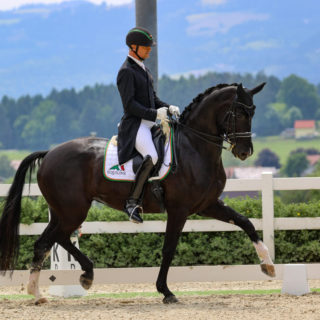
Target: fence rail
point(268, 224)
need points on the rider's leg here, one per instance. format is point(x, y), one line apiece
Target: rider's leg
point(145, 147)
point(144, 143)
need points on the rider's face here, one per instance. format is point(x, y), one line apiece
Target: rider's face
point(143, 51)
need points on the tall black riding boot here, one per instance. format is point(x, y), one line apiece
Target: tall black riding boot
point(133, 204)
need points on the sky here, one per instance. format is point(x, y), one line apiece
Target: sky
point(46, 44)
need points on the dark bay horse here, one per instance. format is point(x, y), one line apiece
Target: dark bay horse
point(70, 177)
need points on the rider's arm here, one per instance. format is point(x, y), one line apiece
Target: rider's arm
point(125, 82)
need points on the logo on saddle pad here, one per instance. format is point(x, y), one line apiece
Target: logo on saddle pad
point(117, 170)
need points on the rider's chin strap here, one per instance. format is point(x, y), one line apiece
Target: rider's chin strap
point(136, 52)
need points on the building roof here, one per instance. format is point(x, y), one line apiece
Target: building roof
point(313, 158)
point(302, 124)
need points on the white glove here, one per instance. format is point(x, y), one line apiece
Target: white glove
point(162, 114)
point(174, 110)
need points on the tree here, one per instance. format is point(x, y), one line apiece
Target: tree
point(308, 151)
point(6, 171)
point(267, 158)
point(296, 91)
point(39, 130)
point(268, 125)
point(6, 130)
point(296, 164)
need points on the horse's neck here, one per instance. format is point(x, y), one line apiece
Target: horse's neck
point(203, 118)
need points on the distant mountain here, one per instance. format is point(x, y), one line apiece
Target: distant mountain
point(74, 44)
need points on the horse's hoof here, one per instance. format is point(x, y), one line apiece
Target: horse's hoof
point(41, 301)
point(170, 299)
point(268, 269)
point(85, 282)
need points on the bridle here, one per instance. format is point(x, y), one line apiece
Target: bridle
point(230, 119)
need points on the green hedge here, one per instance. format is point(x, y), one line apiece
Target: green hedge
point(209, 248)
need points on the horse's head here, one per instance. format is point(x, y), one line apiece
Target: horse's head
point(236, 121)
point(223, 112)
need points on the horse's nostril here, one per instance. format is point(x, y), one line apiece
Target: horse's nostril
point(244, 155)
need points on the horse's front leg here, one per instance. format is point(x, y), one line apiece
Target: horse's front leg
point(175, 225)
point(224, 213)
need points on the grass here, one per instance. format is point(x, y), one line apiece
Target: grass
point(128, 295)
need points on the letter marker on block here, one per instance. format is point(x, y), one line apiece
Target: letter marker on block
point(62, 260)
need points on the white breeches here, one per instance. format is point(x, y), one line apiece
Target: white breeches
point(144, 143)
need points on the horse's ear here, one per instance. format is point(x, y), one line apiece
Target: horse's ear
point(240, 90)
point(257, 89)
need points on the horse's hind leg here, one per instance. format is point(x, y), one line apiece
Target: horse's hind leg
point(86, 278)
point(224, 213)
point(41, 251)
point(70, 220)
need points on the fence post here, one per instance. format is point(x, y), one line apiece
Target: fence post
point(268, 212)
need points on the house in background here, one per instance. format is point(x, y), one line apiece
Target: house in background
point(246, 173)
point(304, 129)
point(15, 164)
point(313, 159)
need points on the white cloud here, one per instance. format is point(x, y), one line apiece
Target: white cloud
point(214, 22)
point(6, 22)
point(187, 74)
point(273, 69)
point(260, 45)
point(219, 67)
point(213, 2)
point(15, 4)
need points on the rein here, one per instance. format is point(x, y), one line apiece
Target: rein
point(204, 136)
point(210, 138)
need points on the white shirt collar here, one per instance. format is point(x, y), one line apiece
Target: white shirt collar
point(139, 63)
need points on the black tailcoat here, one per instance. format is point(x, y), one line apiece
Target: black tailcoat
point(139, 102)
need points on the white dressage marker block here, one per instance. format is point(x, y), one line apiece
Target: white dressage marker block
point(62, 260)
point(295, 279)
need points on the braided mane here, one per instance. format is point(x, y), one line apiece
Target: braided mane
point(200, 97)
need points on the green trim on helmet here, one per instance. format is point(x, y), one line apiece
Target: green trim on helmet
point(143, 32)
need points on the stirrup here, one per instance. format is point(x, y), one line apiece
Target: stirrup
point(132, 210)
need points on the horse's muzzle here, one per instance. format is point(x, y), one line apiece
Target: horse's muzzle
point(242, 153)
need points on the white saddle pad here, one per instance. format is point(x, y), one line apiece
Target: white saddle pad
point(113, 171)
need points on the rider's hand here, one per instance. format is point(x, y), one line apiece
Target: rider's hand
point(162, 114)
point(174, 110)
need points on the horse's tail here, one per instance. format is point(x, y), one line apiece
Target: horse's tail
point(10, 219)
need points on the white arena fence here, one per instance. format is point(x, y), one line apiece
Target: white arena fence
point(268, 224)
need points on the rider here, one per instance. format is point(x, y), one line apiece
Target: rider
point(142, 108)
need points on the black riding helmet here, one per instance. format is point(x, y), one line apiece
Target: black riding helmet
point(140, 37)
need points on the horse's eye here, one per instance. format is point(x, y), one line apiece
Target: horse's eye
point(241, 116)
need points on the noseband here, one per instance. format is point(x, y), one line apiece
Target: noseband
point(230, 118)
